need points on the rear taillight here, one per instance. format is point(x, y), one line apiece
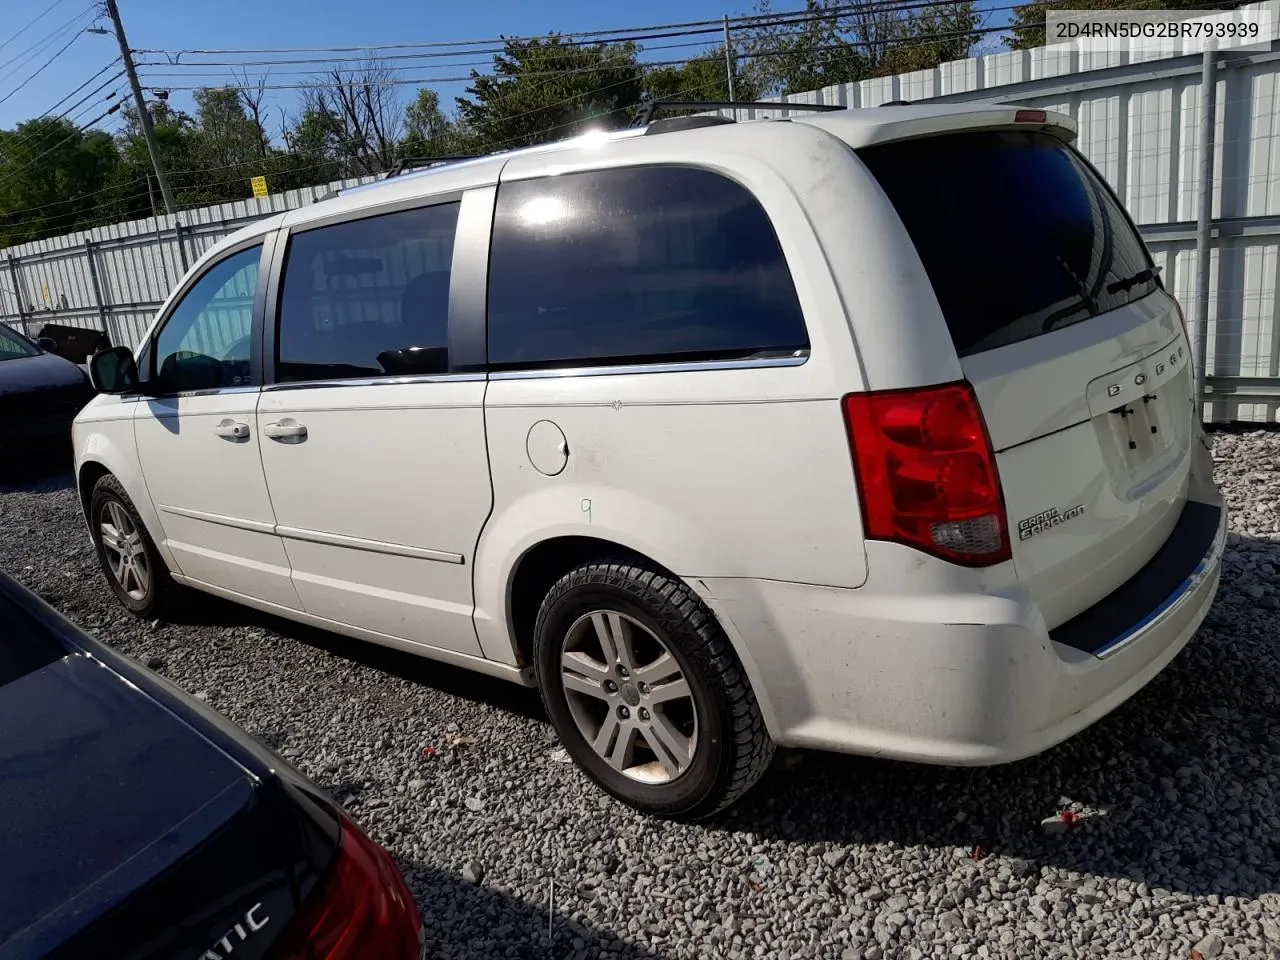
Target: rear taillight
point(927, 474)
point(362, 909)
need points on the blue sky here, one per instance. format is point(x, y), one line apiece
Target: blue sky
point(185, 24)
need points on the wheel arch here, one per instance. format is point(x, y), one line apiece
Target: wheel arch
point(103, 449)
point(542, 565)
point(544, 562)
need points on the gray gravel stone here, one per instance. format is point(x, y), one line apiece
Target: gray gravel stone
point(1208, 948)
point(1188, 774)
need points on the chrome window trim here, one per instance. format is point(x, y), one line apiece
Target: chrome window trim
point(374, 210)
point(211, 392)
point(674, 366)
point(374, 381)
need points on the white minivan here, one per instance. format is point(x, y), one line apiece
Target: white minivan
point(863, 430)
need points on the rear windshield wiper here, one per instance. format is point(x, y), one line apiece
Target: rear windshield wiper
point(1128, 283)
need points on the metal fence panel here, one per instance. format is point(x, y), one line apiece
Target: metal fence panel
point(1139, 122)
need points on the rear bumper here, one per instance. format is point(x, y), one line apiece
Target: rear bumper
point(961, 679)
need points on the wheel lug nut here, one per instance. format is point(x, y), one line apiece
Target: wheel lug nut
point(622, 671)
point(623, 712)
point(611, 686)
point(644, 714)
point(643, 688)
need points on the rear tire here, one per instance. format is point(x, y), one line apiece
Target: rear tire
point(670, 726)
point(128, 556)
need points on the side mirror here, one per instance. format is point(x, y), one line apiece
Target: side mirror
point(47, 344)
point(114, 371)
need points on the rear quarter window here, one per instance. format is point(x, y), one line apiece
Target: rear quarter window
point(1017, 233)
point(636, 265)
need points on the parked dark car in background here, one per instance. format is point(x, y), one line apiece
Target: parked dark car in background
point(136, 823)
point(74, 343)
point(40, 394)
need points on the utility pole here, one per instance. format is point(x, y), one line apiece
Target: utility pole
point(728, 58)
point(144, 117)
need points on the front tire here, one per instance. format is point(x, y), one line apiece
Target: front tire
point(128, 556)
point(646, 692)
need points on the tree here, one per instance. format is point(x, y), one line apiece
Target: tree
point(427, 131)
point(226, 135)
point(839, 44)
point(818, 52)
point(933, 35)
point(50, 174)
point(177, 140)
point(354, 118)
point(703, 78)
point(547, 89)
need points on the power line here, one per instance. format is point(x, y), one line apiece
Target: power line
point(108, 82)
point(79, 131)
point(577, 38)
point(646, 65)
point(81, 87)
point(334, 63)
point(20, 60)
point(26, 137)
point(337, 64)
point(31, 23)
point(44, 66)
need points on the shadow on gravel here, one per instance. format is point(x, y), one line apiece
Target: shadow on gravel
point(209, 611)
point(1186, 773)
point(44, 471)
point(469, 922)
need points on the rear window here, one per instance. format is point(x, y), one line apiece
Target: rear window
point(1018, 235)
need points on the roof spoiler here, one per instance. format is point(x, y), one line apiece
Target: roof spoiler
point(650, 108)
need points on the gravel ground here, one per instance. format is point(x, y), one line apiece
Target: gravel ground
point(511, 853)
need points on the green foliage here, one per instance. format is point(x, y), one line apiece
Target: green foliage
point(703, 78)
point(839, 45)
point(48, 168)
point(549, 89)
point(428, 132)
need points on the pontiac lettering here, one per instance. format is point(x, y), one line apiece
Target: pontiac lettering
point(253, 921)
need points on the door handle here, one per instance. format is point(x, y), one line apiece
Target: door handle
point(232, 429)
point(286, 429)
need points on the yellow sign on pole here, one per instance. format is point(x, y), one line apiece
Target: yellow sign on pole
point(259, 186)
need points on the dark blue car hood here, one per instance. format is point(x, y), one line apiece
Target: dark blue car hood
point(23, 374)
point(101, 789)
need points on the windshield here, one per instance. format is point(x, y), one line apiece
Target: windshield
point(1018, 235)
point(13, 346)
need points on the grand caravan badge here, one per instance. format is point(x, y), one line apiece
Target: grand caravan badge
point(1047, 520)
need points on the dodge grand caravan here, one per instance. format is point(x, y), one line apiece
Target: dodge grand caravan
point(868, 431)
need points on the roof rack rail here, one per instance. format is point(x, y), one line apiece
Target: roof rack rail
point(414, 163)
point(644, 116)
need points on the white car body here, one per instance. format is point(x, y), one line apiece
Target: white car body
point(411, 510)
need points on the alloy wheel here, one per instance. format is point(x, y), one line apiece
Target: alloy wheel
point(126, 554)
point(629, 697)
